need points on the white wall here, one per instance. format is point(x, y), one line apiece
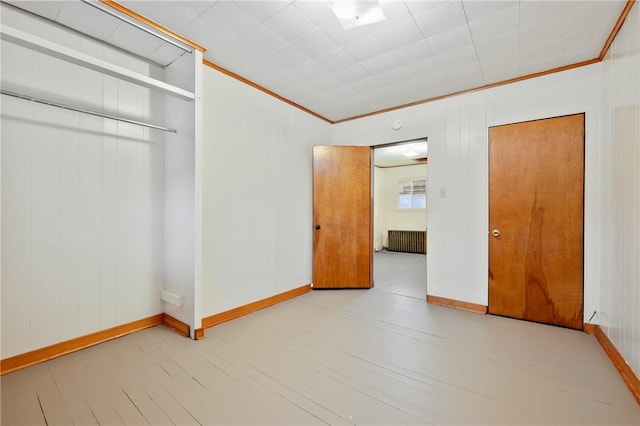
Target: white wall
point(82, 196)
point(257, 193)
point(386, 214)
point(183, 192)
point(458, 162)
point(619, 158)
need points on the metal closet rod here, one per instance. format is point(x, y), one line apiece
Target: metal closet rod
point(85, 111)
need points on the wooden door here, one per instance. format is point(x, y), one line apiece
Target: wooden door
point(536, 186)
point(342, 217)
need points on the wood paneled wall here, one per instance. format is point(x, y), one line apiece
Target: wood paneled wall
point(257, 206)
point(619, 157)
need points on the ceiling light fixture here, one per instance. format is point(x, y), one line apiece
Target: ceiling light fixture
point(357, 13)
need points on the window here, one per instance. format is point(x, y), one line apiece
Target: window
point(412, 194)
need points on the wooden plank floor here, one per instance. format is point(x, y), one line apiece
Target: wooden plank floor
point(400, 273)
point(332, 357)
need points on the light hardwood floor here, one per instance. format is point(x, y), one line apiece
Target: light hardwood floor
point(332, 357)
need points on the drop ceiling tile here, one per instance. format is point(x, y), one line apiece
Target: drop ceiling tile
point(548, 29)
point(456, 57)
point(317, 11)
point(48, 9)
point(309, 71)
point(465, 76)
point(412, 53)
point(365, 85)
point(315, 44)
point(342, 91)
point(500, 67)
point(394, 12)
point(290, 23)
point(381, 63)
point(395, 75)
point(335, 60)
point(505, 21)
point(322, 84)
point(541, 57)
point(285, 79)
point(590, 12)
point(260, 39)
point(259, 68)
point(417, 7)
point(364, 49)
point(132, 39)
point(262, 10)
point(199, 6)
point(476, 10)
point(573, 55)
point(288, 58)
point(433, 84)
point(497, 46)
point(450, 40)
point(230, 16)
point(533, 12)
point(582, 45)
point(398, 36)
point(428, 67)
point(335, 31)
point(201, 30)
point(87, 19)
point(352, 73)
point(441, 19)
point(166, 54)
point(167, 13)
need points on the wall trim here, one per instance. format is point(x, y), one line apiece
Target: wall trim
point(472, 90)
point(457, 304)
point(628, 375)
point(159, 27)
point(234, 313)
point(616, 29)
point(153, 24)
point(26, 359)
point(176, 325)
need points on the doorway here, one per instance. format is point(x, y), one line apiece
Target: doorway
point(400, 217)
point(536, 208)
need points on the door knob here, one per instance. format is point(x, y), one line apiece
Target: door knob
point(495, 233)
point(317, 226)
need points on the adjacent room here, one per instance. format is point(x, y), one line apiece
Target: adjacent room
point(400, 218)
point(320, 212)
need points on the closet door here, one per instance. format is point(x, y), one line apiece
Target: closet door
point(536, 186)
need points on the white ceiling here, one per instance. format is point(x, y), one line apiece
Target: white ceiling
point(424, 49)
point(401, 154)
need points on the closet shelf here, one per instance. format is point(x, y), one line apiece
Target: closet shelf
point(47, 47)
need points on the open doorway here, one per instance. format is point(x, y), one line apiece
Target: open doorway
point(400, 210)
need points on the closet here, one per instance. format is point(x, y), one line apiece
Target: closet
point(101, 178)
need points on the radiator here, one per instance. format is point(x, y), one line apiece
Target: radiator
point(408, 241)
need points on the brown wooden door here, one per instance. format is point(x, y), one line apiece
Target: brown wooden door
point(342, 243)
point(536, 185)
